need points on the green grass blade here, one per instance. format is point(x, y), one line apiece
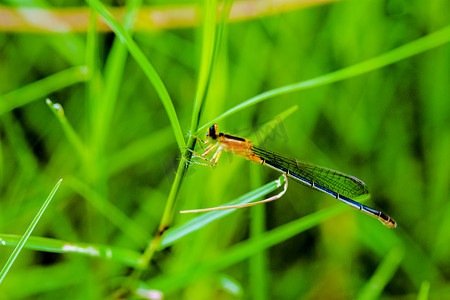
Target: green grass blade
point(146, 66)
point(420, 45)
point(30, 229)
point(120, 255)
point(207, 60)
point(42, 88)
point(385, 271)
point(113, 75)
point(258, 263)
point(209, 43)
point(174, 234)
point(424, 292)
point(71, 134)
point(94, 86)
point(244, 250)
point(212, 40)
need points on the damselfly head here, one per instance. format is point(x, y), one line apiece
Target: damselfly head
point(212, 132)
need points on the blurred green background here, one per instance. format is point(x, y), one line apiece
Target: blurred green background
point(389, 127)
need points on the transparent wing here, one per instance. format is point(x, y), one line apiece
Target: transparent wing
point(343, 184)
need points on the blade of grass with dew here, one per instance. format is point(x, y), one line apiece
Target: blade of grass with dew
point(72, 136)
point(428, 42)
point(27, 234)
point(231, 285)
point(174, 234)
point(146, 66)
point(42, 88)
point(385, 271)
point(120, 255)
point(244, 250)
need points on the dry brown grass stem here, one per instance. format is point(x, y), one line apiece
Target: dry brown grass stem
point(60, 20)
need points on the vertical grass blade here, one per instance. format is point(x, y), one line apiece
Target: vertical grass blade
point(424, 291)
point(258, 263)
point(208, 42)
point(30, 229)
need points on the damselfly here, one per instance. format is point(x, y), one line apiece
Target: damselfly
point(341, 186)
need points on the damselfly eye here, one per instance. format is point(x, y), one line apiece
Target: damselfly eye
point(212, 132)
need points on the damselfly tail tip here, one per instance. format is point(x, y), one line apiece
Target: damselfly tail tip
point(391, 224)
point(387, 221)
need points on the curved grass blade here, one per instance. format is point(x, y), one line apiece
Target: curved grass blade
point(244, 250)
point(415, 47)
point(146, 66)
point(41, 88)
point(201, 221)
point(27, 234)
point(120, 255)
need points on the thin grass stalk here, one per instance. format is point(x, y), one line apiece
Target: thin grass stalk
point(209, 44)
point(205, 74)
point(258, 263)
point(28, 232)
point(41, 88)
